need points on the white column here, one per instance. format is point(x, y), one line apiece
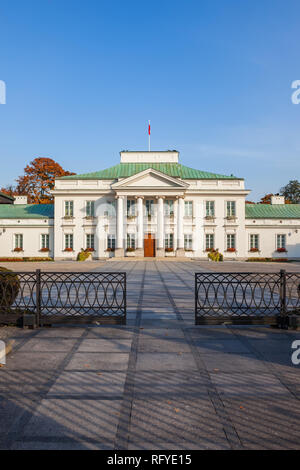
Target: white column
point(175, 223)
point(140, 219)
point(120, 221)
point(180, 222)
point(160, 223)
point(180, 240)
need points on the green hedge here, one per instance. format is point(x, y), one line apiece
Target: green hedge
point(9, 287)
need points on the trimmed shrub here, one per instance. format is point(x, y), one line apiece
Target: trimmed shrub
point(9, 287)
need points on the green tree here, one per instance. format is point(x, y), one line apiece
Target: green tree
point(291, 192)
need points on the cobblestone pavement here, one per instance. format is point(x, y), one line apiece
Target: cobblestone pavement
point(157, 383)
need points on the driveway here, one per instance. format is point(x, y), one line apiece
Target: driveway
point(157, 383)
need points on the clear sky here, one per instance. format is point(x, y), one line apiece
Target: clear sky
point(83, 78)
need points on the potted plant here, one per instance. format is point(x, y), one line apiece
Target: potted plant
point(44, 250)
point(110, 249)
point(254, 250)
point(18, 249)
point(231, 250)
point(281, 250)
point(169, 250)
point(130, 249)
point(69, 250)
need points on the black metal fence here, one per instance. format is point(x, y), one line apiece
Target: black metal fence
point(63, 297)
point(245, 298)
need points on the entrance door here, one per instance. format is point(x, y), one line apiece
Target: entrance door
point(149, 245)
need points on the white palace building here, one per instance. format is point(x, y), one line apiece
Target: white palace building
point(149, 205)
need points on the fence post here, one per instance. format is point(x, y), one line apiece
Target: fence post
point(196, 299)
point(125, 299)
point(283, 298)
point(38, 297)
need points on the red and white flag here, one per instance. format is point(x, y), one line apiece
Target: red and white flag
point(149, 128)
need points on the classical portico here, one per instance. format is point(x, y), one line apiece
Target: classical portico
point(151, 193)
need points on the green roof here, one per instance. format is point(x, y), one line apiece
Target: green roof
point(124, 170)
point(26, 211)
point(269, 211)
point(7, 196)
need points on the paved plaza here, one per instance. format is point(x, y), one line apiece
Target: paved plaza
point(160, 382)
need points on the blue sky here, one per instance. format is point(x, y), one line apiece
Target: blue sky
point(214, 77)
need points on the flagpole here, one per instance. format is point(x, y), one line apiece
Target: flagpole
point(149, 132)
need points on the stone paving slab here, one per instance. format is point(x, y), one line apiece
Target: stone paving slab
point(105, 345)
point(48, 345)
point(83, 383)
point(41, 361)
point(165, 361)
point(98, 361)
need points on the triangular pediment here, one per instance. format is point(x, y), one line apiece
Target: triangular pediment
point(150, 179)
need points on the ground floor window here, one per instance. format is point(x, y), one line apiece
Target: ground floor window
point(69, 245)
point(111, 242)
point(18, 241)
point(90, 241)
point(131, 241)
point(169, 240)
point(280, 241)
point(254, 241)
point(231, 242)
point(44, 241)
point(188, 241)
point(209, 241)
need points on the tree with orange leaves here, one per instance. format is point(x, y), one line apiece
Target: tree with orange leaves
point(39, 180)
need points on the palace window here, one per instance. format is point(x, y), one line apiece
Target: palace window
point(210, 208)
point(209, 241)
point(188, 241)
point(149, 207)
point(131, 207)
point(111, 242)
point(131, 240)
point(69, 241)
point(44, 240)
point(90, 241)
point(169, 207)
point(69, 209)
point(231, 241)
point(280, 241)
point(169, 239)
point(19, 241)
point(90, 208)
point(230, 209)
point(188, 208)
point(254, 241)
point(111, 209)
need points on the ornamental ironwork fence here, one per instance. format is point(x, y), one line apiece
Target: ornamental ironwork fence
point(63, 297)
point(245, 298)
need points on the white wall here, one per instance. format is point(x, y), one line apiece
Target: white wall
point(32, 231)
point(267, 229)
